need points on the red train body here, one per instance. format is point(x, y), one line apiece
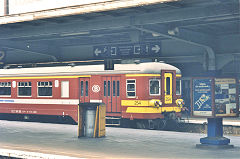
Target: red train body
point(131, 91)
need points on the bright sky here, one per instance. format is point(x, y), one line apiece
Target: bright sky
point(21, 6)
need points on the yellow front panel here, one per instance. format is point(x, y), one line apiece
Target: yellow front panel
point(168, 97)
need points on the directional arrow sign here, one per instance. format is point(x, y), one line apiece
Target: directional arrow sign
point(97, 52)
point(156, 48)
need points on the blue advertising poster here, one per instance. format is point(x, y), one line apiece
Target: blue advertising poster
point(202, 97)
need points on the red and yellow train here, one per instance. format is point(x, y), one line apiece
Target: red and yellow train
point(143, 93)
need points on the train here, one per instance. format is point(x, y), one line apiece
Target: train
point(141, 94)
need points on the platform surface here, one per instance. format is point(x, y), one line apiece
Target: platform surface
point(59, 139)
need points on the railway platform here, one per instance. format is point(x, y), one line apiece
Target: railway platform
point(36, 140)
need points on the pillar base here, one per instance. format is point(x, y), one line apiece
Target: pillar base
point(215, 140)
point(213, 147)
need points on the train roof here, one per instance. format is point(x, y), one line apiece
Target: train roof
point(149, 67)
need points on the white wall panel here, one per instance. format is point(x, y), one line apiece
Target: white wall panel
point(23, 6)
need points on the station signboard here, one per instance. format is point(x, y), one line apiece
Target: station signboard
point(215, 97)
point(127, 50)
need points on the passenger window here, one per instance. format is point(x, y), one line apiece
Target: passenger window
point(82, 89)
point(114, 88)
point(109, 85)
point(86, 88)
point(45, 89)
point(118, 91)
point(105, 87)
point(5, 88)
point(131, 88)
point(178, 87)
point(154, 87)
point(24, 89)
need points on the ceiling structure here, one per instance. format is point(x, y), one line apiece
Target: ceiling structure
point(193, 35)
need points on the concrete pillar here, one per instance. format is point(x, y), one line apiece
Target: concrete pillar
point(6, 7)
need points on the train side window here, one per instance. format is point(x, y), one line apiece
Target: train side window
point(86, 90)
point(25, 89)
point(82, 89)
point(114, 88)
point(5, 88)
point(109, 85)
point(65, 89)
point(105, 87)
point(45, 89)
point(178, 87)
point(118, 87)
point(154, 87)
point(131, 88)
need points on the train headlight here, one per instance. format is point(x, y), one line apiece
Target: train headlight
point(155, 103)
point(158, 103)
point(180, 102)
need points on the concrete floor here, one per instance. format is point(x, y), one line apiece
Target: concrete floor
point(62, 139)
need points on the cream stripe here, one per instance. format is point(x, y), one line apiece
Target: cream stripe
point(45, 77)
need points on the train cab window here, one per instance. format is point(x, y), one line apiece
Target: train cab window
point(131, 88)
point(25, 89)
point(168, 83)
point(178, 87)
point(154, 87)
point(5, 88)
point(44, 89)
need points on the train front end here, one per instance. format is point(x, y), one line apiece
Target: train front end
point(154, 97)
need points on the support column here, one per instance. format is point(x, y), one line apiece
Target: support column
point(6, 7)
point(214, 137)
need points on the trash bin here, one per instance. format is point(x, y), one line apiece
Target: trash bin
point(91, 119)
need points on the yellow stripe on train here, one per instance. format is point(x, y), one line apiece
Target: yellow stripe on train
point(139, 103)
point(152, 110)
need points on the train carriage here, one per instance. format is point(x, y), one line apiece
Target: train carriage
point(137, 92)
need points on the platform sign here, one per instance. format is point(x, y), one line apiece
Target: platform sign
point(226, 98)
point(202, 97)
point(127, 50)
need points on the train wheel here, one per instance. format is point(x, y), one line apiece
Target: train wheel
point(141, 124)
point(182, 123)
point(161, 124)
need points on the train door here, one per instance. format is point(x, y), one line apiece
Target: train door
point(84, 95)
point(167, 86)
point(111, 94)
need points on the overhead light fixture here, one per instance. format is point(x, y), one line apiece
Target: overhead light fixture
point(155, 34)
point(174, 31)
point(73, 34)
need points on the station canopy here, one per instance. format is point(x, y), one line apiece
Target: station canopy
point(190, 34)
